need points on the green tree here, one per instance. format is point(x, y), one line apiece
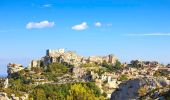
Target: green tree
point(108, 66)
point(55, 68)
point(117, 64)
point(40, 94)
point(93, 88)
point(105, 64)
point(16, 84)
point(78, 92)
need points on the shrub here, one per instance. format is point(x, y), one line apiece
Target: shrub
point(123, 77)
point(142, 91)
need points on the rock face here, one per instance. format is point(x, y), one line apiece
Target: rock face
point(3, 96)
point(13, 68)
point(6, 83)
point(130, 89)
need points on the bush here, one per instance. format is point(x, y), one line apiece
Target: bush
point(89, 65)
point(123, 77)
point(117, 65)
point(142, 91)
point(54, 70)
point(111, 67)
point(57, 68)
point(78, 91)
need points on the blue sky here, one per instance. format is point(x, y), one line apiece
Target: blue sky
point(130, 29)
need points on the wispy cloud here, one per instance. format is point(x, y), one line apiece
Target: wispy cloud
point(81, 26)
point(109, 24)
point(47, 5)
point(149, 34)
point(42, 24)
point(41, 5)
point(98, 24)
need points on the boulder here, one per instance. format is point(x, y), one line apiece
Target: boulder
point(130, 89)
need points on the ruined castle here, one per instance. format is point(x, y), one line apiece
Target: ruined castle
point(71, 58)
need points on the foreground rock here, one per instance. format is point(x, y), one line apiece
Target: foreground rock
point(3, 96)
point(134, 89)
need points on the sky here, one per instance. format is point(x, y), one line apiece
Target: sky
point(129, 29)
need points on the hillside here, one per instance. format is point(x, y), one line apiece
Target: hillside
point(65, 75)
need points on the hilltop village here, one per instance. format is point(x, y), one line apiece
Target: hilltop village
point(105, 77)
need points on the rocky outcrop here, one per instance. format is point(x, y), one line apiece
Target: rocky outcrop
point(14, 97)
point(79, 72)
point(6, 83)
point(134, 89)
point(13, 68)
point(3, 96)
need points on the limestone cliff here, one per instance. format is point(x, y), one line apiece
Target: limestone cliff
point(136, 88)
point(13, 68)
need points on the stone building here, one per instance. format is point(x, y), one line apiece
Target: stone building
point(54, 53)
point(99, 59)
point(95, 59)
point(35, 63)
point(110, 59)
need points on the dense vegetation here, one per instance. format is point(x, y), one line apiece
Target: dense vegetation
point(89, 65)
point(159, 73)
point(166, 95)
point(24, 82)
point(110, 67)
point(144, 93)
point(54, 70)
point(76, 91)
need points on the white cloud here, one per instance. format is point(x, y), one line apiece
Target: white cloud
point(150, 34)
point(81, 26)
point(46, 5)
point(97, 24)
point(39, 25)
